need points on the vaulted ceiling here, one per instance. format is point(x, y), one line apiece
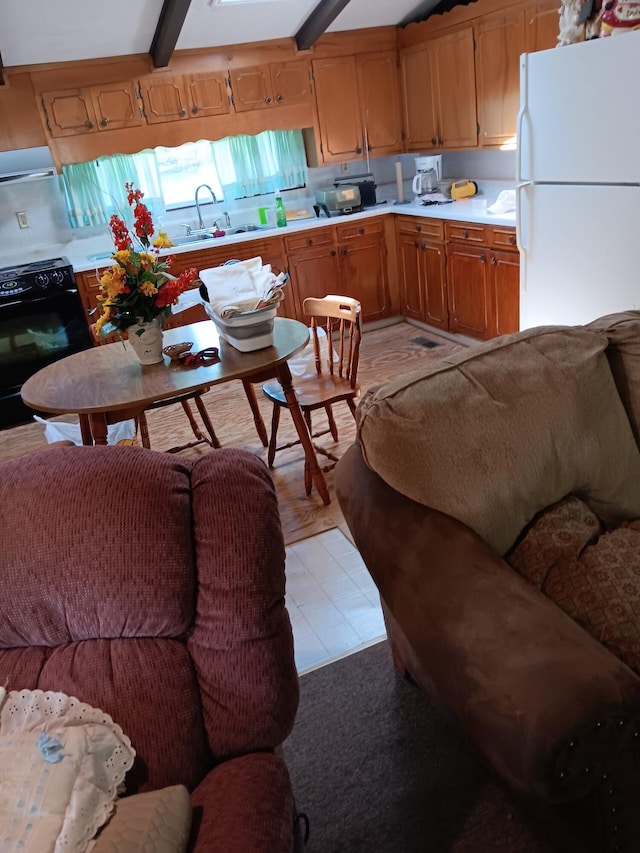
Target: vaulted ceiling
point(40, 31)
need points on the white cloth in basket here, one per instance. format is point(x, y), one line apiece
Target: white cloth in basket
point(244, 286)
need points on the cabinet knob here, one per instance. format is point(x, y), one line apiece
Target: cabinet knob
point(344, 251)
point(512, 240)
point(483, 258)
point(104, 122)
point(434, 141)
point(182, 113)
point(268, 100)
point(358, 150)
point(465, 235)
point(416, 244)
point(360, 230)
point(418, 227)
point(279, 98)
point(89, 125)
point(195, 109)
point(440, 141)
point(333, 253)
point(423, 246)
point(493, 260)
point(309, 241)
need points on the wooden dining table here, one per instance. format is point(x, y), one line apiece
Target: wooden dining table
point(108, 384)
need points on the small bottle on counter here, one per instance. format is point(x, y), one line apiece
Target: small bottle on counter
point(281, 213)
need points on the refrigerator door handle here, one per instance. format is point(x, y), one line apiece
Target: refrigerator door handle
point(524, 85)
point(521, 237)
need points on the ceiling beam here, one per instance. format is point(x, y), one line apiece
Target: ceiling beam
point(431, 7)
point(167, 31)
point(322, 16)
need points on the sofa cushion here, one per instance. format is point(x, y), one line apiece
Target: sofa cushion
point(495, 433)
point(622, 332)
point(591, 573)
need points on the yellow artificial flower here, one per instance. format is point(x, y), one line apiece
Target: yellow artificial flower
point(123, 256)
point(148, 260)
point(113, 281)
point(148, 288)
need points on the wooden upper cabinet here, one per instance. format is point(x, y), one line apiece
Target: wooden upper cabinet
point(165, 99)
point(380, 102)
point(261, 87)
point(207, 94)
point(420, 119)
point(117, 105)
point(500, 39)
point(251, 88)
point(291, 83)
point(542, 25)
point(439, 93)
point(454, 77)
point(69, 112)
point(336, 82)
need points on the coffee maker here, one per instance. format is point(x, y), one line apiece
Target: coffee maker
point(428, 173)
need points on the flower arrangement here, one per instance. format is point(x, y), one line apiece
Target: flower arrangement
point(138, 287)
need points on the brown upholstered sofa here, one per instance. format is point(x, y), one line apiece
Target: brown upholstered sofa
point(152, 587)
point(492, 496)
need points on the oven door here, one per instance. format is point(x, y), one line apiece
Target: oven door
point(34, 333)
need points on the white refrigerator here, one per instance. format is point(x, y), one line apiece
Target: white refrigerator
point(578, 181)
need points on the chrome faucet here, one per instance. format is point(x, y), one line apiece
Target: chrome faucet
point(213, 196)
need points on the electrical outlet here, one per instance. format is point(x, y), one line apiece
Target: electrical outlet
point(344, 168)
point(23, 221)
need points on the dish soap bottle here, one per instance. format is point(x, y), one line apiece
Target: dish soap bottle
point(281, 213)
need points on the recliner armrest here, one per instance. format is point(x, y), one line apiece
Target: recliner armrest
point(521, 677)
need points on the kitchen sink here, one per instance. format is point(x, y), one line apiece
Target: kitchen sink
point(243, 229)
point(190, 238)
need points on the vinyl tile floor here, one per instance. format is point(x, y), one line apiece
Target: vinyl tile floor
point(332, 601)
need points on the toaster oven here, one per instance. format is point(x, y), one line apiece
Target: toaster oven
point(343, 199)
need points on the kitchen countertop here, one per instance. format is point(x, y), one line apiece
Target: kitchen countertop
point(467, 210)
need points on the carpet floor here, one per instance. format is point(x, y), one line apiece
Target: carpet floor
point(377, 769)
point(384, 354)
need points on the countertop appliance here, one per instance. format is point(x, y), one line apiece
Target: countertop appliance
point(41, 320)
point(337, 200)
point(365, 183)
point(578, 181)
point(428, 173)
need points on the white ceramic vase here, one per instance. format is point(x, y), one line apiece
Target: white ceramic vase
point(145, 340)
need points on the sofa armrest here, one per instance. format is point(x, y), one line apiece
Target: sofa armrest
point(521, 677)
point(244, 804)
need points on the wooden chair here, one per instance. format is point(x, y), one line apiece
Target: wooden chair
point(141, 419)
point(336, 369)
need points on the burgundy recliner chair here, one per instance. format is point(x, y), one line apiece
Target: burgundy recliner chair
point(152, 587)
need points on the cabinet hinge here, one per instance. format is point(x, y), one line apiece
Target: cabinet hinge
point(46, 117)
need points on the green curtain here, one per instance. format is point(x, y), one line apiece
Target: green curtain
point(96, 190)
point(255, 165)
point(246, 166)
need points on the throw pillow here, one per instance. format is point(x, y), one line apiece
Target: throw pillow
point(154, 822)
point(61, 764)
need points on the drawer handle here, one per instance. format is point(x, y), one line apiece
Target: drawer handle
point(418, 227)
point(309, 241)
point(512, 240)
point(360, 230)
point(465, 234)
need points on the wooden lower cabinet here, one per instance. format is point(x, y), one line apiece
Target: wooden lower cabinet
point(314, 271)
point(422, 271)
point(505, 291)
point(469, 290)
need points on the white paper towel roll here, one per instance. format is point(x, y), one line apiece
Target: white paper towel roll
point(399, 181)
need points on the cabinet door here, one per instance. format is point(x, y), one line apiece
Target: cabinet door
point(506, 292)
point(338, 108)
point(542, 26)
point(314, 272)
point(207, 94)
point(499, 43)
point(251, 88)
point(468, 281)
point(380, 102)
point(70, 112)
point(363, 275)
point(291, 83)
point(456, 90)
point(410, 274)
point(419, 108)
point(434, 263)
point(116, 106)
point(165, 99)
